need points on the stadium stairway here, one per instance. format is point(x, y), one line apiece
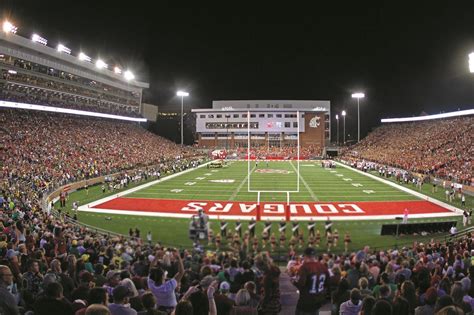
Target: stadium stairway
point(289, 296)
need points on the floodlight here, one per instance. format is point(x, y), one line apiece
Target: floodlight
point(64, 49)
point(38, 39)
point(100, 64)
point(337, 116)
point(84, 57)
point(471, 62)
point(182, 93)
point(12, 72)
point(117, 70)
point(358, 95)
point(343, 113)
point(9, 27)
point(128, 75)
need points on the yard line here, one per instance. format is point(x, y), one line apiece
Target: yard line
point(305, 183)
point(235, 193)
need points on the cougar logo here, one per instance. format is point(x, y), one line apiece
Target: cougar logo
point(314, 122)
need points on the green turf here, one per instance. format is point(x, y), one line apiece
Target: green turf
point(316, 184)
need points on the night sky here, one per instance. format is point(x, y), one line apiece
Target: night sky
point(406, 59)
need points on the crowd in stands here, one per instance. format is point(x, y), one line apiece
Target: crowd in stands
point(443, 147)
point(26, 69)
point(49, 266)
point(279, 152)
point(23, 88)
point(432, 278)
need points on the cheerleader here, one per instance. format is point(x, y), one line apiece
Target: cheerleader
point(265, 237)
point(329, 241)
point(293, 241)
point(229, 238)
point(282, 239)
point(218, 240)
point(311, 241)
point(301, 240)
point(318, 238)
point(336, 238)
point(347, 240)
point(273, 242)
point(210, 237)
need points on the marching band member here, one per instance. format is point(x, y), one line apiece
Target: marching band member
point(296, 228)
point(251, 227)
point(223, 228)
point(347, 240)
point(238, 228)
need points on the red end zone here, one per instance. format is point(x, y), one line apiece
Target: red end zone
point(271, 210)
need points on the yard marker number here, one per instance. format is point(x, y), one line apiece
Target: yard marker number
point(176, 190)
point(357, 185)
point(369, 191)
point(190, 183)
point(339, 175)
point(200, 178)
point(347, 179)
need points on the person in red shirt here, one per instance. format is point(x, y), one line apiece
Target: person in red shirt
point(312, 283)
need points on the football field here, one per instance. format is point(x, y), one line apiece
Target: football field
point(357, 203)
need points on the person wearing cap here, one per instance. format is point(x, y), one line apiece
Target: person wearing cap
point(312, 283)
point(223, 303)
point(120, 306)
point(162, 289)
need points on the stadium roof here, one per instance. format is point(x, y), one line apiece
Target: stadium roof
point(430, 117)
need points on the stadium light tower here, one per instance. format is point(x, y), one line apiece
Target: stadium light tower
point(471, 62)
point(337, 120)
point(128, 75)
point(358, 96)
point(182, 94)
point(344, 129)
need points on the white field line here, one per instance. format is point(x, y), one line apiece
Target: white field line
point(236, 192)
point(271, 218)
point(305, 184)
point(407, 190)
point(129, 191)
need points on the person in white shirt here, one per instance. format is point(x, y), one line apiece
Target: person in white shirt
point(163, 290)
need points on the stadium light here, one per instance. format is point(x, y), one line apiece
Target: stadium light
point(117, 70)
point(182, 94)
point(12, 72)
point(64, 49)
point(38, 39)
point(9, 27)
point(100, 64)
point(337, 120)
point(358, 96)
point(84, 57)
point(7, 104)
point(344, 129)
point(466, 112)
point(471, 62)
point(128, 75)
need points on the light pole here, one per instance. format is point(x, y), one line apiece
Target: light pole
point(182, 94)
point(358, 96)
point(337, 120)
point(344, 128)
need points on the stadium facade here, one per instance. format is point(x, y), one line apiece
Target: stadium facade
point(273, 123)
point(34, 73)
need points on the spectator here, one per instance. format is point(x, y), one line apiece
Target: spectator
point(353, 305)
point(120, 304)
point(52, 302)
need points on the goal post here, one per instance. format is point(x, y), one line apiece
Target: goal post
point(270, 173)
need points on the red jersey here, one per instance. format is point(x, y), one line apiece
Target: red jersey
point(313, 283)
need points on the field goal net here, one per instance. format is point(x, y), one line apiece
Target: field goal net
point(273, 157)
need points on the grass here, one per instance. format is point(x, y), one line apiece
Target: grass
point(316, 184)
